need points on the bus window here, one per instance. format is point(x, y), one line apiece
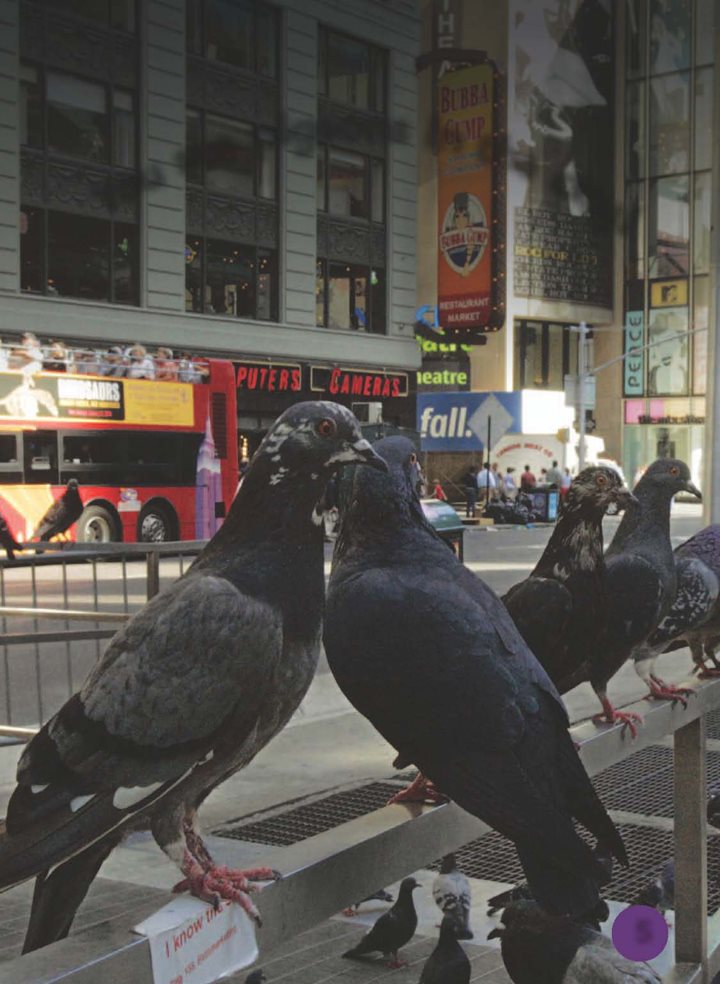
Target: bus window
point(161, 459)
point(93, 457)
point(40, 457)
point(10, 469)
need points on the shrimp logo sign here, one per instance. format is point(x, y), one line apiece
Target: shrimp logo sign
point(464, 234)
point(465, 198)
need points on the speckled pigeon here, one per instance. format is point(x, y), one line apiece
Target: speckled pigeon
point(562, 607)
point(392, 930)
point(640, 580)
point(694, 616)
point(428, 653)
point(62, 513)
point(448, 963)
point(537, 947)
point(380, 896)
point(452, 894)
point(189, 690)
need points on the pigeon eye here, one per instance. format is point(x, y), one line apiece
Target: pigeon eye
point(601, 480)
point(413, 458)
point(674, 471)
point(326, 427)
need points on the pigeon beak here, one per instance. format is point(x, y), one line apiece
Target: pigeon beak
point(624, 499)
point(495, 934)
point(365, 455)
point(693, 490)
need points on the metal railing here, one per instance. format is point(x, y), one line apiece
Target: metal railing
point(326, 872)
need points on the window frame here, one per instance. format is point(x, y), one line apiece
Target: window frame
point(374, 51)
point(258, 252)
point(200, 12)
point(256, 129)
point(324, 151)
point(323, 264)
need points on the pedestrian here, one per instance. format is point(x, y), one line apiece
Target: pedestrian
point(439, 491)
point(56, 359)
point(527, 480)
point(27, 357)
point(471, 491)
point(509, 484)
point(554, 476)
point(486, 482)
point(565, 483)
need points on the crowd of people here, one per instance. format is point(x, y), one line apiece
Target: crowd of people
point(490, 484)
point(130, 362)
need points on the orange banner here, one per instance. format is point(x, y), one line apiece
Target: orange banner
point(465, 145)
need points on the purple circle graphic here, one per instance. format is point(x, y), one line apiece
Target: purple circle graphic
point(640, 933)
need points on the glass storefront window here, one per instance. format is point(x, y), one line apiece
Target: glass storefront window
point(670, 35)
point(636, 26)
point(125, 264)
point(670, 124)
point(644, 443)
point(704, 31)
point(347, 184)
point(701, 319)
point(634, 231)
point(703, 118)
point(667, 357)
point(701, 231)
point(378, 302)
point(669, 227)
point(348, 297)
point(31, 134)
point(635, 131)
point(544, 353)
point(78, 256)
point(77, 117)
point(229, 156)
point(229, 32)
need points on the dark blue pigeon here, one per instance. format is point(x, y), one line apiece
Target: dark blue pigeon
point(428, 653)
point(448, 963)
point(189, 690)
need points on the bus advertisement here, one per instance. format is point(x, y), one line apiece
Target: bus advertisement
point(155, 460)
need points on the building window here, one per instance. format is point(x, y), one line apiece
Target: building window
point(230, 279)
point(75, 256)
point(349, 185)
point(544, 353)
point(116, 14)
point(231, 157)
point(239, 33)
point(352, 72)
point(350, 297)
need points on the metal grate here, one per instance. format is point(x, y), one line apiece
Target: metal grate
point(712, 723)
point(313, 818)
point(643, 782)
point(493, 857)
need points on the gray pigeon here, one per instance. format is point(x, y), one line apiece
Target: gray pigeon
point(453, 896)
point(62, 513)
point(448, 963)
point(537, 947)
point(7, 540)
point(660, 892)
point(189, 690)
point(640, 582)
point(562, 607)
point(255, 977)
point(380, 896)
point(392, 930)
point(428, 653)
point(694, 617)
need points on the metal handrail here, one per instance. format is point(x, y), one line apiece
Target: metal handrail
point(66, 614)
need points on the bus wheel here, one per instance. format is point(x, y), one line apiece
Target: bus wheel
point(96, 525)
point(155, 525)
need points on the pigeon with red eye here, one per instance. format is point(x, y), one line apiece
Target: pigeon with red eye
point(189, 690)
point(562, 607)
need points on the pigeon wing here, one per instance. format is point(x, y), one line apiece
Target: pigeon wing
point(697, 592)
point(600, 963)
point(541, 608)
point(705, 546)
point(189, 667)
point(635, 596)
point(52, 521)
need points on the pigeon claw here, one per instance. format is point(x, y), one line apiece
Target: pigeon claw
point(396, 964)
point(659, 690)
point(420, 790)
point(627, 719)
point(349, 911)
point(218, 883)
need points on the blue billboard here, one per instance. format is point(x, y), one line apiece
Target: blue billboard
point(459, 421)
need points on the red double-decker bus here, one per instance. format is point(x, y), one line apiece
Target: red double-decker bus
point(155, 460)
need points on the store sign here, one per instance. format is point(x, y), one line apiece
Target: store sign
point(634, 364)
point(460, 421)
point(263, 377)
point(465, 198)
point(668, 293)
point(356, 382)
point(71, 398)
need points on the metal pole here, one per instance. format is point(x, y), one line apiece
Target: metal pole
point(153, 574)
point(690, 844)
point(487, 464)
point(711, 460)
point(581, 388)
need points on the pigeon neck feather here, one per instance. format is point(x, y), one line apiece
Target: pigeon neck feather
point(576, 542)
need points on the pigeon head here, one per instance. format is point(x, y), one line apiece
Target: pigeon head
point(256, 977)
point(447, 864)
point(450, 929)
point(666, 476)
point(408, 886)
point(311, 440)
point(73, 484)
point(524, 914)
point(713, 810)
point(597, 489)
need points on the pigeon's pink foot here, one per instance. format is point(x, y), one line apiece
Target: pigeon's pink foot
point(396, 964)
point(707, 672)
point(659, 690)
point(420, 790)
point(628, 719)
point(217, 882)
point(349, 911)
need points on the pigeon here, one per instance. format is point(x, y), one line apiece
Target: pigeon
point(7, 540)
point(451, 891)
point(189, 690)
point(694, 617)
point(640, 582)
point(392, 930)
point(255, 977)
point(660, 892)
point(713, 810)
point(429, 654)
point(380, 896)
point(62, 513)
point(600, 914)
point(448, 963)
point(561, 608)
point(537, 947)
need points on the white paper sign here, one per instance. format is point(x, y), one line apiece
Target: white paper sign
point(191, 943)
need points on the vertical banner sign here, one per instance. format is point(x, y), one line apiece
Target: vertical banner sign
point(634, 375)
point(465, 146)
point(560, 149)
